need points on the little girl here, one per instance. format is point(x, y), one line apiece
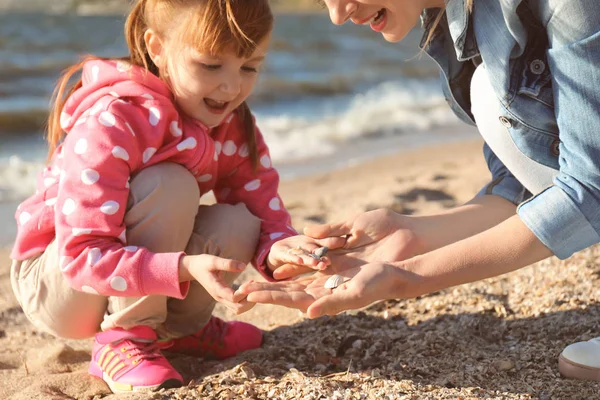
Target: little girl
point(114, 243)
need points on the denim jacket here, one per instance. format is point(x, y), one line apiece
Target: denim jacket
point(543, 60)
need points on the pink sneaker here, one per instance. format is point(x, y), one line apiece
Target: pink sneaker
point(131, 361)
point(219, 340)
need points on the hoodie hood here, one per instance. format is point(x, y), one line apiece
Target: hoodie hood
point(114, 78)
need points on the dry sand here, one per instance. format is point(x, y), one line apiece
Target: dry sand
point(496, 339)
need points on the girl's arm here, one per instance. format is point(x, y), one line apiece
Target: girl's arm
point(258, 190)
point(98, 156)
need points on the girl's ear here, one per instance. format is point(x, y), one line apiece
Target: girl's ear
point(155, 46)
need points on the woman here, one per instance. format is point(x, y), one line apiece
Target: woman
point(525, 72)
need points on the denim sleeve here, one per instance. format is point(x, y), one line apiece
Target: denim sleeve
point(566, 216)
point(503, 183)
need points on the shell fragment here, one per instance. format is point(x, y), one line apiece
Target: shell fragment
point(334, 281)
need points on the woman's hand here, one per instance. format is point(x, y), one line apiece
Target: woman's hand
point(364, 285)
point(207, 270)
point(375, 236)
point(291, 256)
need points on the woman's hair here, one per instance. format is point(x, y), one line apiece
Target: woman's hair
point(211, 26)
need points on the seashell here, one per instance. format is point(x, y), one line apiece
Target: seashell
point(333, 281)
point(321, 251)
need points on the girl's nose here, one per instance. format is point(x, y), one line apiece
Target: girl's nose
point(340, 10)
point(231, 85)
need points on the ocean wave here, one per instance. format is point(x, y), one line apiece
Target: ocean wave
point(391, 108)
point(22, 121)
point(17, 178)
point(271, 90)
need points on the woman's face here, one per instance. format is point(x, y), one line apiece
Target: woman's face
point(393, 18)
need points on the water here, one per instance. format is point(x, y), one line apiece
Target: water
point(329, 95)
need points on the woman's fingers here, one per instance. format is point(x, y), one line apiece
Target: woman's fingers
point(294, 299)
point(290, 270)
point(328, 230)
point(343, 298)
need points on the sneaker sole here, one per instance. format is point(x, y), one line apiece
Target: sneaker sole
point(117, 387)
point(570, 369)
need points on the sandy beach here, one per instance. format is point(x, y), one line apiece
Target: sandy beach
point(497, 339)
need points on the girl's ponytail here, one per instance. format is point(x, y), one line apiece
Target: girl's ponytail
point(55, 132)
point(245, 116)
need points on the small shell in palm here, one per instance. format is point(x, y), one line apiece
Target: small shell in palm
point(334, 281)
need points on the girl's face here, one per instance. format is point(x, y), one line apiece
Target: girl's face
point(393, 18)
point(209, 87)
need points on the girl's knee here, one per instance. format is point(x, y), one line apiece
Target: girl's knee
point(168, 184)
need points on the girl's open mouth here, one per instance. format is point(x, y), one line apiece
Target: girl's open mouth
point(216, 107)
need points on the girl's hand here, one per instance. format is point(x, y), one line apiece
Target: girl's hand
point(208, 270)
point(291, 256)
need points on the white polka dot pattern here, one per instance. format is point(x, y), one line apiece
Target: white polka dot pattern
point(188, 144)
point(148, 153)
point(154, 116)
point(121, 153)
point(96, 109)
point(81, 146)
point(205, 178)
point(275, 204)
point(49, 182)
point(81, 231)
point(175, 129)
point(244, 152)
point(119, 284)
point(130, 249)
point(229, 148)
point(65, 120)
point(252, 185)
point(94, 256)
point(24, 217)
point(109, 208)
point(50, 202)
point(95, 73)
point(68, 207)
point(107, 119)
point(276, 235)
point(90, 176)
point(265, 161)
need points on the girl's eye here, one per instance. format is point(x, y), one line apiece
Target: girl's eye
point(250, 69)
point(210, 67)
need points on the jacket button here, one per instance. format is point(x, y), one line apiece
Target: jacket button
point(537, 67)
point(555, 147)
point(506, 122)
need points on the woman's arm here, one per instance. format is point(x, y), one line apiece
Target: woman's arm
point(501, 249)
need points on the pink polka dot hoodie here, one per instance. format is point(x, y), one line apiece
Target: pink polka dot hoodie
point(119, 122)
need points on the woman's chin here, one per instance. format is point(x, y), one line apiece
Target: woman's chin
point(393, 37)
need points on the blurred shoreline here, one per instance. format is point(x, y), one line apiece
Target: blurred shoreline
point(119, 7)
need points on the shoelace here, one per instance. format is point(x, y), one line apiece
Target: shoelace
point(140, 350)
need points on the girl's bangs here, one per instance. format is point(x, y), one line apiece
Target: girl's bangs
point(216, 28)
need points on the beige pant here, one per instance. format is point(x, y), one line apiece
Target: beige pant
point(163, 215)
